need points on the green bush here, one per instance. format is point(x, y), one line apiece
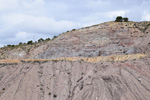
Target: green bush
point(54, 37)
point(30, 42)
point(48, 39)
point(125, 19)
point(20, 43)
point(119, 19)
point(73, 29)
point(40, 40)
point(9, 45)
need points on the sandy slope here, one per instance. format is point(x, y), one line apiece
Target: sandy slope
point(76, 80)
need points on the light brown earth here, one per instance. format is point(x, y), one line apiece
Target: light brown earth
point(109, 61)
point(75, 80)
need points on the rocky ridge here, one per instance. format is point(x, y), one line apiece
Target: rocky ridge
point(108, 61)
point(104, 39)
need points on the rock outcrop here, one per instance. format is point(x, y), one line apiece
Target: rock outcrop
point(108, 61)
point(101, 40)
point(111, 38)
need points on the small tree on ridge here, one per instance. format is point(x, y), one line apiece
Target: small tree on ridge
point(119, 19)
point(125, 19)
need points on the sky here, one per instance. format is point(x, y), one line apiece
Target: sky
point(25, 20)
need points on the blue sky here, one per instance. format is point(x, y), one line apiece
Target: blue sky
point(24, 20)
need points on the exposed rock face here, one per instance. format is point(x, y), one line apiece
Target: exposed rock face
point(111, 38)
point(109, 61)
point(66, 80)
point(101, 40)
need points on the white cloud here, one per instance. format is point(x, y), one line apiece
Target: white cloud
point(1, 45)
point(8, 4)
point(25, 27)
point(98, 3)
point(113, 14)
point(146, 16)
point(37, 23)
point(33, 4)
point(23, 19)
point(24, 37)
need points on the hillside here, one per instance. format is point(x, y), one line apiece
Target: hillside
point(108, 61)
point(104, 39)
point(76, 80)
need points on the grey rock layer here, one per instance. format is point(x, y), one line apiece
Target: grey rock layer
point(111, 38)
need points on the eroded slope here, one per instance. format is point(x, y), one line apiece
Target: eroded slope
point(109, 61)
point(76, 80)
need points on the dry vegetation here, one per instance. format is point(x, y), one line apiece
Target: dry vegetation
point(87, 59)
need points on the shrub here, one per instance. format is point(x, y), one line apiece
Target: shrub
point(119, 19)
point(48, 39)
point(73, 29)
point(40, 40)
point(54, 37)
point(12, 45)
point(125, 19)
point(30, 42)
point(20, 43)
point(8, 45)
